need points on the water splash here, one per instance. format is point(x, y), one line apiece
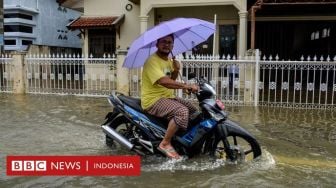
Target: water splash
point(203, 163)
point(265, 162)
point(163, 164)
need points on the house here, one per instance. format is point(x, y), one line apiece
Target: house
point(38, 22)
point(110, 26)
point(286, 28)
point(292, 29)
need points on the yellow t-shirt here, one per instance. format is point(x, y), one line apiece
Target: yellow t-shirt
point(154, 69)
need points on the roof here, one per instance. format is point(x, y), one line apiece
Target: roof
point(96, 22)
point(250, 3)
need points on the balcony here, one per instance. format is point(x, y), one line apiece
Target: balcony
point(72, 4)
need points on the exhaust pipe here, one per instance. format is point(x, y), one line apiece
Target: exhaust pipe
point(117, 137)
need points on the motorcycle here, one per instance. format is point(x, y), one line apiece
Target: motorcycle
point(209, 131)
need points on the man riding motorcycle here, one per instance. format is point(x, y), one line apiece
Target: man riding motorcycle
point(157, 94)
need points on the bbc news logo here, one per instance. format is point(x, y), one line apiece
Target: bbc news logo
point(73, 165)
point(29, 166)
point(42, 165)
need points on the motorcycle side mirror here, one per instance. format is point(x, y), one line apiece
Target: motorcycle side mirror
point(191, 75)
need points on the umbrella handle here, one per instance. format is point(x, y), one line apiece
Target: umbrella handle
point(173, 57)
point(179, 73)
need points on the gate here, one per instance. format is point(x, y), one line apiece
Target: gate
point(75, 75)
point(6, 74)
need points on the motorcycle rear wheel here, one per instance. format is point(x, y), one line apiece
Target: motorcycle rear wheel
point(123, 127)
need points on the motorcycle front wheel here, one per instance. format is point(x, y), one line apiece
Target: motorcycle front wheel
point(236, 148)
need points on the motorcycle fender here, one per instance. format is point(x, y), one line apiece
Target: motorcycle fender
point(110, 116)
point(229, 127)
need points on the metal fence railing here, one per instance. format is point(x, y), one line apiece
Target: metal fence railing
point(306, 84)
point(76, 75)
point(6, 74)
point(309, 83)
point(269, 82)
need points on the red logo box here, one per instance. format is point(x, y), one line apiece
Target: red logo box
point(73, 165)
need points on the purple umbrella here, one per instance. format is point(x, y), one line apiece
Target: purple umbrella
point(188, 32)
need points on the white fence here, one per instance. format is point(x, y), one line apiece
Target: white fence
point(6, 74)
point(233, 79)
point(76, 75)
point(307, 83)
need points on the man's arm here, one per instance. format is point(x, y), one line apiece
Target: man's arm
point(174, 75)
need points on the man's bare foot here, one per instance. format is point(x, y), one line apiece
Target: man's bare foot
point(169, 151)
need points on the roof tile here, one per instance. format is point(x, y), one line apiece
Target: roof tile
point(85, 22)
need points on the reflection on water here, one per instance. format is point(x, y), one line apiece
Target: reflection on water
point(298, 146)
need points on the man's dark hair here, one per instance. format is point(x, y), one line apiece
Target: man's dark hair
point(170, 35)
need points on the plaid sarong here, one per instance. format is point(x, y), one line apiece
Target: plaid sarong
point(176, 108)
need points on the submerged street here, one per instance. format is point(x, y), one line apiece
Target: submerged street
point(298, 146)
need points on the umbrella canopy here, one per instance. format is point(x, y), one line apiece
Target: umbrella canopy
point(188, 32)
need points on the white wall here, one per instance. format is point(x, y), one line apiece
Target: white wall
point(52, 23)
point(148, 5)
point(129, 30)
point(224, 13)
point(48, 23)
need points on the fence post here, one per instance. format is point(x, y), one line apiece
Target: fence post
point(19, 72)
point(122, 73)
point(180, 91)
point(256, 81)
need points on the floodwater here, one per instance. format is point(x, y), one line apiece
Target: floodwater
point(298, 146)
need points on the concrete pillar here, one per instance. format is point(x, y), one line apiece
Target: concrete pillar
point(122, 73)
point(256, 77)
point(242, 33)
point(143, 23)
point(251, 93)
point(143, 27)
point(19, 72)
point(86, 43)
point(245, 72)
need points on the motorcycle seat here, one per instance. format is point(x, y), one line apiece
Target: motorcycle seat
point(135, 103)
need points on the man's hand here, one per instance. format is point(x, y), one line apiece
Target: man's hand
point(193, 88)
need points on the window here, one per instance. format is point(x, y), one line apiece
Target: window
point(18, 15)
point(101, 41)
point(26, 42)
point(10, 42)
point(312, 36)
point(228, 40)
point(317, 35)
point(18, 28)
point(324, 33)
